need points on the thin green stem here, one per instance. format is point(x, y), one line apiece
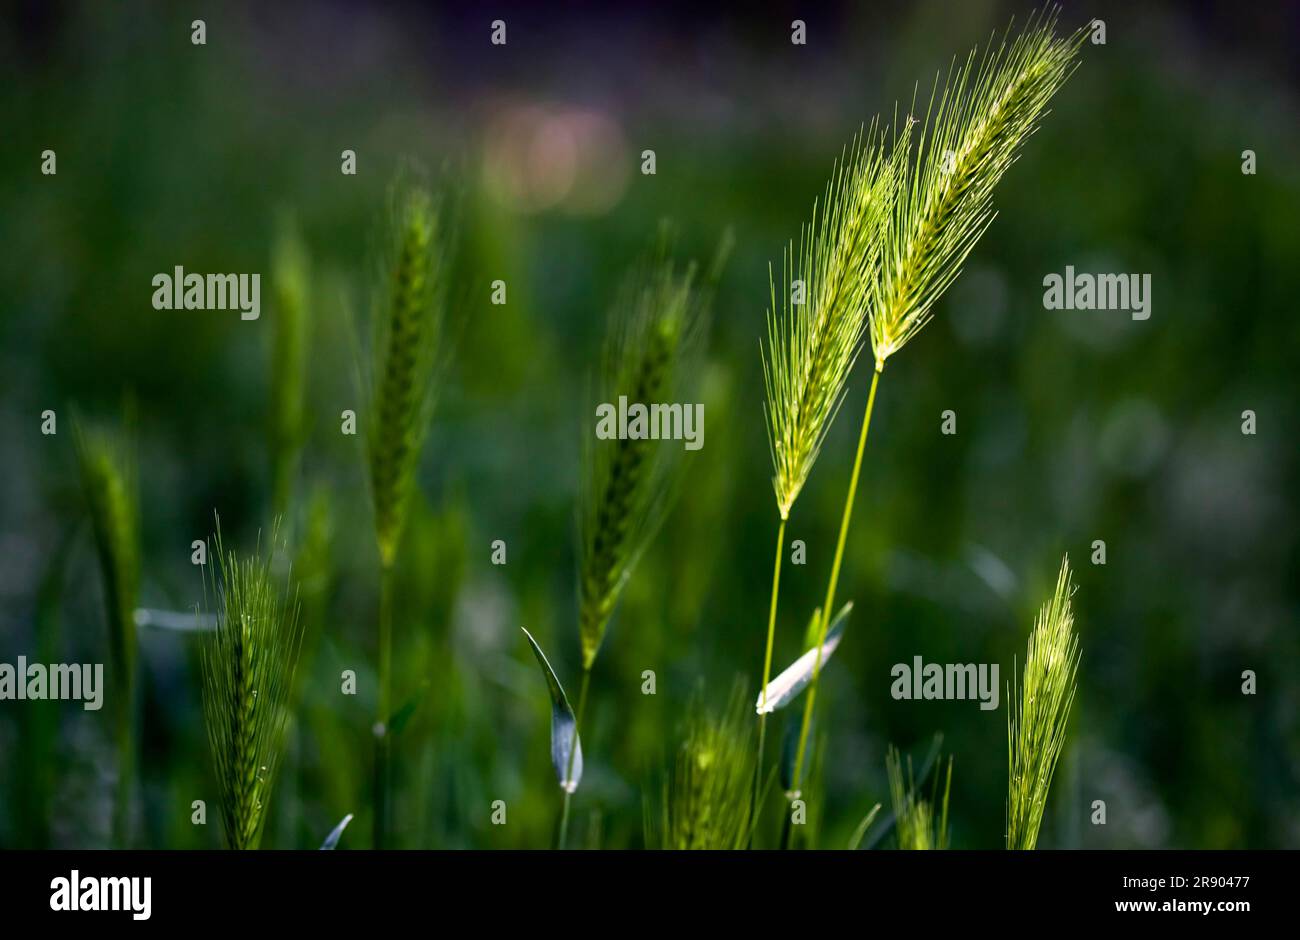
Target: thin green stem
point(767, 674)
point(573, 753)
point(827, 608)
point(383, 770)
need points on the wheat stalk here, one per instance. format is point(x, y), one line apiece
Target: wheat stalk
point(109, 481)
point(1039, 713)
point(813, 345)
point(407, 326)
point(973, 132)
point(248, 665)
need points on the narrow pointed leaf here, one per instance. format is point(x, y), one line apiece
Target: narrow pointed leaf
point(332, 839)
point(564, 727)
point(856, 839)
point(783, 690)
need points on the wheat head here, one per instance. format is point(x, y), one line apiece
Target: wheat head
point(656, 334)
point(974, 129)
point(1039, 713)
point(915, 821)
point(248, 665)
point(407, 325)
point(706, 803)
point(812, 346)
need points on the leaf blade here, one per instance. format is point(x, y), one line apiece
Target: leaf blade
point(332, 840)
point(566, 746)
point(785, 688)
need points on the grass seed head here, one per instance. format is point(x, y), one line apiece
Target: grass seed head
point(915, 822)
point(655, 336)
point(976, 125)
point(1040, 712)
point(248, 664)
point(407, 328)
point(812, 346)
point(707, 800)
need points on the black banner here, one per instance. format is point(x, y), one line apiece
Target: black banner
point(335, 889)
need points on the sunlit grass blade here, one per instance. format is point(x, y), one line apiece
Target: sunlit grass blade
point(786, 687)
point(860, 832)
point(332, 840)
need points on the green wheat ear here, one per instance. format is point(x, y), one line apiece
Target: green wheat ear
point(813, 344)
point(407, 327)
point(915, 821)
point(974, 129)
point(248, 665)
point(291, 324)
point(656, 333)
point(1039, 713)
point(109, 480)
point(706, 803)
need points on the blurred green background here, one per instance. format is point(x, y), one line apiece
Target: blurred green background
point(1072, 425)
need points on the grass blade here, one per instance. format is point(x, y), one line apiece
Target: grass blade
point(566, 749)
point(332, 840)
point(785, 688)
